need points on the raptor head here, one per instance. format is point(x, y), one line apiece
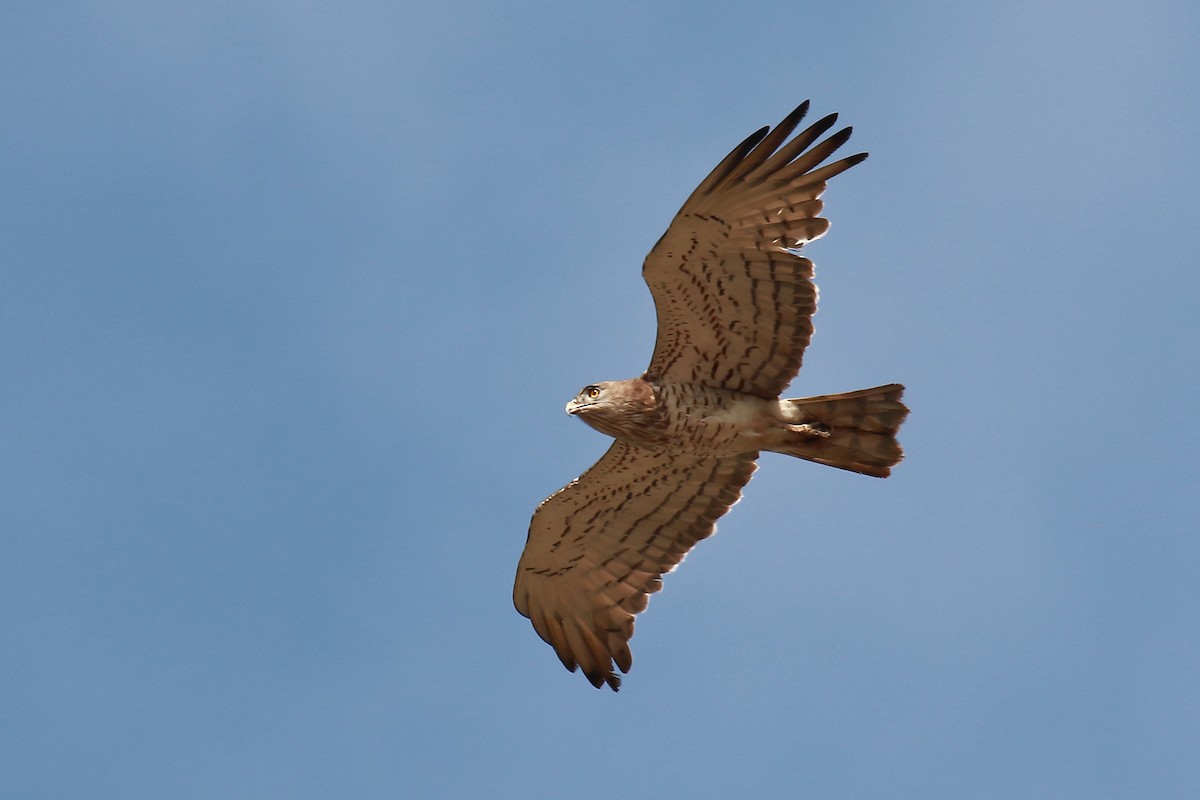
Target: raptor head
point(623, 409)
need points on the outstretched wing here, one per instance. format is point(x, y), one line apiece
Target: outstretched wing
point(734, 301)
point(598, 547)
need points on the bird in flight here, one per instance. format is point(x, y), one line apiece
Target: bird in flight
point(734, 301)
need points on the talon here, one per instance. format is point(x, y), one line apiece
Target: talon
point(817, 430)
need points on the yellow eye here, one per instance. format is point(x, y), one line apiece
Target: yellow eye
point(592, 392)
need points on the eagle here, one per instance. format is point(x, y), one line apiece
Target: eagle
point(734, 301)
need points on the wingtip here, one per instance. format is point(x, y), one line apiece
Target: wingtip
point(798, 113)
point(756, 137)
point(601, 678)
point(841, 137)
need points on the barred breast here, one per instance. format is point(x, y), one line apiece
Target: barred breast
point(711, 421)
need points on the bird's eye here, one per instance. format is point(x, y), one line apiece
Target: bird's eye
point(592, 392)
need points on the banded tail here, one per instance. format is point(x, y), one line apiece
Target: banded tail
point(855, 431)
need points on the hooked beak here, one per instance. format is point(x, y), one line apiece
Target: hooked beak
point(574, 407)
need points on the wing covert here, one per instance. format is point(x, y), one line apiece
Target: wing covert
point(598, 548)
point(734, 301)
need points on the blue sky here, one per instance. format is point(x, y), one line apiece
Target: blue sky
point(292, 296)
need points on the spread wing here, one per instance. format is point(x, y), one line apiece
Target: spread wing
point(734, 301)
point(598, 547)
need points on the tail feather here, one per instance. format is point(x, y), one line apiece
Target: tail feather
point(854, 431)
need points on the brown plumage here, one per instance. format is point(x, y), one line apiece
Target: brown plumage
point(734, 303)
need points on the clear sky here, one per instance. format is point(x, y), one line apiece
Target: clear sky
point(292, 296)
